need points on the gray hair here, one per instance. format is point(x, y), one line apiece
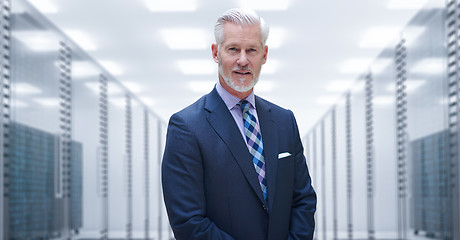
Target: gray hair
point(245, 17)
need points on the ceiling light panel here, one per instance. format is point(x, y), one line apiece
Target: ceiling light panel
point(45, 6)
point(383, 100)
point(120, 102)
point(406, 4)
point(112, 67)
point(39, 41)
point(132, 86)
point(112, 89)
point(380, 64)
point(47, 102)
point(19, 104)
point(339, 86)
point(26, 89)
point(148, 101)
point(379, 37)
point(186, 38)
point(327, 100)
point(430, 66)
point(83, 39)
point(197, 67)
point(358, 87)
point(411, 85)
point(355, 66)
point(81, 69)
point(171, 5)
point(266, 5)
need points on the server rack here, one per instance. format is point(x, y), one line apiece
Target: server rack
point(430, 156)
point(35, 211)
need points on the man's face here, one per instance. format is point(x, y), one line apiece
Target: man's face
point(240, 56)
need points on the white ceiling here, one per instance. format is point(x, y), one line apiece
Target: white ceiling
point(302, 74)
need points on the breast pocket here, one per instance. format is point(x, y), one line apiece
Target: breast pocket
point(286, 161)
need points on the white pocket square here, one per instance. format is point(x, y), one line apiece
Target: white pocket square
point(283, 155)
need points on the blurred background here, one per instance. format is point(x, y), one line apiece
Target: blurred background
point(87, 88)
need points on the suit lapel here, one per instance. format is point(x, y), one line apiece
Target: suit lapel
point(223, 123)
point(270, 139)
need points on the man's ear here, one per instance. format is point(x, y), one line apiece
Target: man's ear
point(265, 54)
point(215, 53)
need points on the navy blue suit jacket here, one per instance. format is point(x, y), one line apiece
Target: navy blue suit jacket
point(210, 186)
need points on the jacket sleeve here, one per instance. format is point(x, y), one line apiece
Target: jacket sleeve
point(183, 185)
point(302, 223)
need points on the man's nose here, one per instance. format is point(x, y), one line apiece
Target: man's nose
point(243, 59)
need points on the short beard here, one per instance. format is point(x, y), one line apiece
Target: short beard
point(231, 84)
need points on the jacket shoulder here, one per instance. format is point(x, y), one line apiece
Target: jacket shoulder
point(191, 112)
point(267, 105)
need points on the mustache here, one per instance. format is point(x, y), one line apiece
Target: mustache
point(243, 69)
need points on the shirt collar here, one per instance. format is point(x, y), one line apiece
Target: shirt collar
point(230, 100)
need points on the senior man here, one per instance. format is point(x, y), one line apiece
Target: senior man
point(233, 166)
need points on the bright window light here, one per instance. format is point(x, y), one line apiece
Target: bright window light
point(430, 66)
point(47, 102)
point(172, 5)
point(339, 86)
point(276, 38)
point(112, 67)
point(201, 86)
point(355, 66)
point(406, 4)
point(411, 85)
point(186, 38)
point(379, 37)
point(81, 69)
point(132, 86)
point(26, 89)
point(82, 39)
point(197, 67)
point(40, 41)
point(44, 6)
point(265, 5)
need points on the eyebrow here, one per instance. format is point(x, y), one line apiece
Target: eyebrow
point(235, 44)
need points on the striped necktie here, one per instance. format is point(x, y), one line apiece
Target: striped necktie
point(255, 145)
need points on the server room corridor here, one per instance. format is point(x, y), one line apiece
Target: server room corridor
point(88, 87)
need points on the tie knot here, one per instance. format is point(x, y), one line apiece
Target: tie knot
point(244, 105)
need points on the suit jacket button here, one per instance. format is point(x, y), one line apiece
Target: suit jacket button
point(265, 207)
